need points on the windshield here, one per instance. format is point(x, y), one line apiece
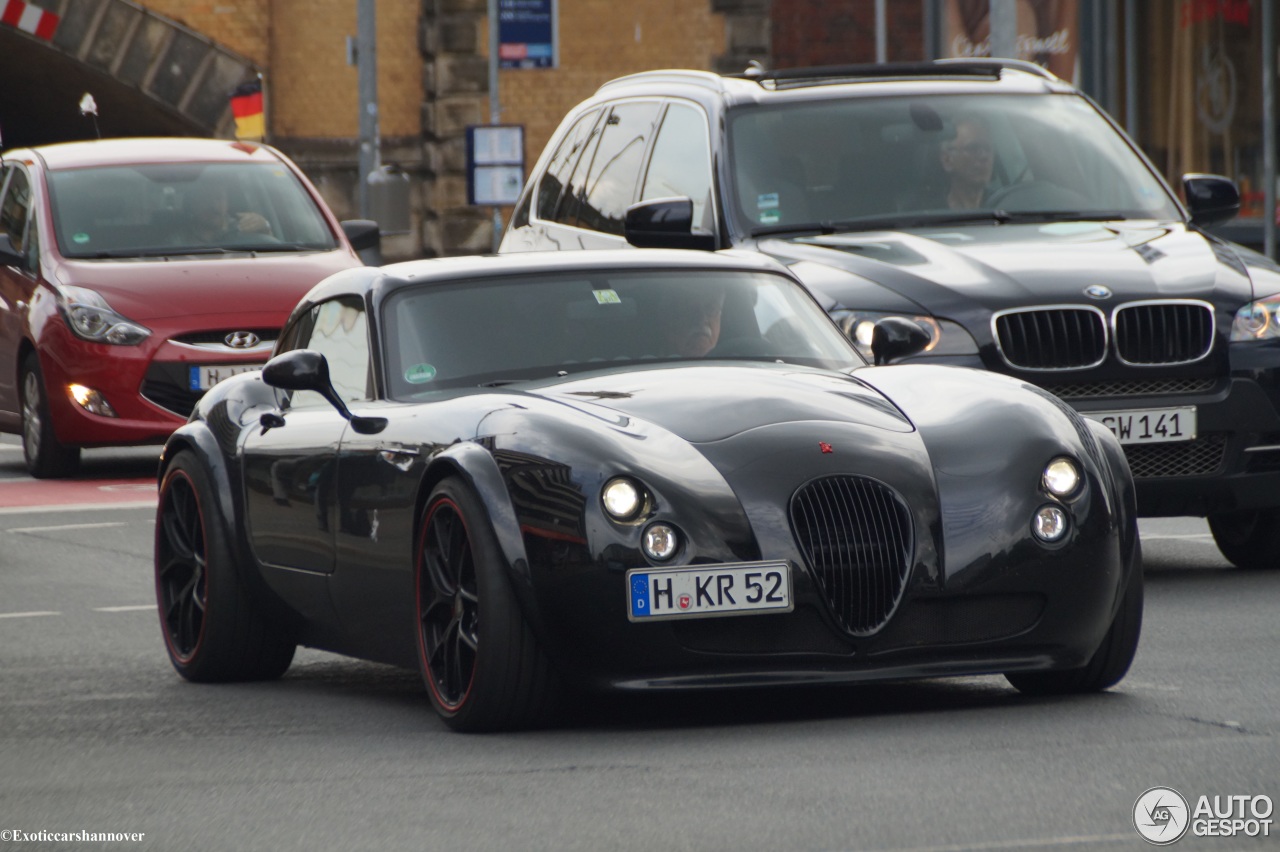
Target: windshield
point(915, 161)
point(184, 208)
point(497, 331)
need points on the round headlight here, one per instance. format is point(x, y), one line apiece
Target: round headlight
point(1049, 524)
point(1061, 478)
point(660, 542)
point(622, 499)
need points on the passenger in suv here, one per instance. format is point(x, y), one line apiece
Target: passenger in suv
point(1079, 271)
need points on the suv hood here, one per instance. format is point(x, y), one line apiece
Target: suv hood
point(165, 287)
point(966, 273)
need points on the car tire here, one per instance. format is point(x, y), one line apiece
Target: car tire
point(212, 630)
point(1109, 663)
point(481, 663)
point(46, 458)
point(1248, 539)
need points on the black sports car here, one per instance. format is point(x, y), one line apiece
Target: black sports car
point(634, 470)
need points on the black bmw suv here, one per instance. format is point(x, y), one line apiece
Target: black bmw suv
point(990, 202)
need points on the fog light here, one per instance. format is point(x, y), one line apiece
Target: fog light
point(1049, 524)
point(1061, 478)
point(622, 499)
point(661, 541)
point(91, 401)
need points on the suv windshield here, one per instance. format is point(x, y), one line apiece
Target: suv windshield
point(494, 332)
point(183, 208)
point(915, 161)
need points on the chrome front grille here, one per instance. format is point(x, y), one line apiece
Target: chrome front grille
point(1062, 338)
point(856, 536)
point(1154, 333)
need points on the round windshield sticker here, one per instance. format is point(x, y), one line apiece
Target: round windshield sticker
point(420, 374)
point(80, 238)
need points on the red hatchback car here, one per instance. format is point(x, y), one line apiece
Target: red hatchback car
point(137, 273)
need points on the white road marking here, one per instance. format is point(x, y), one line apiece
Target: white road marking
point(77, 507)
point(26, 614)
point(139, 608)
point(68, 527)
point(1084, 840)
point(1207, 537)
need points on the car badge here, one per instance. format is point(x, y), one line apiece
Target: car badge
point(825, 447)
point(242, 340)
point(1097, 291)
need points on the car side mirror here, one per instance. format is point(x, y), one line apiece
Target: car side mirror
point(894, 338)
point(308, 370)
point(363, 234)
point(665, 223)
point(9, 256)
point(1212, 199)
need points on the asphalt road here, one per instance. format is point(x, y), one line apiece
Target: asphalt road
point(97, 733)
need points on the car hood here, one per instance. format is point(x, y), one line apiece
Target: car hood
point(701, 404)
point(966, 273)
point(190, 287)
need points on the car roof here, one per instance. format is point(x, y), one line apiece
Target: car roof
point(757, 85)
point(113, 152)
point(451, 269)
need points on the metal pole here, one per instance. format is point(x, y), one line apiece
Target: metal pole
point(881, 34)
point(1269, 127)
point(1003, 18)
point(1131, 68)
point(495, 105)
point(367, 71)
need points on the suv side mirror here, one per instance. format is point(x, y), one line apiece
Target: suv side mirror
point(897, 337)
point(1212, 199)
point(665, 223)
point(307, 370)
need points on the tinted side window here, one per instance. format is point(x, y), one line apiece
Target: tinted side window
point(615, 168)
point(13, 211)
point(336, 329)
point(560, 168)
point(681, 162)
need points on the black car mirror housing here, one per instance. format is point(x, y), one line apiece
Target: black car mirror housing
point(308, 370)
point(665, 223)
point(1212, 199)
point(898, 337)
point(363, 234)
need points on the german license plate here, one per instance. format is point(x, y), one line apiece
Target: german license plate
point(738, 588)
point(1149, 425)
point(203, 378)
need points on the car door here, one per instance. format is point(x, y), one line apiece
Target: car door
point(17, 282)
point(291, 470)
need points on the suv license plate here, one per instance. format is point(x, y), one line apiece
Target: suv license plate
point(739, 588)
point(1149, 425)
point(203, 378)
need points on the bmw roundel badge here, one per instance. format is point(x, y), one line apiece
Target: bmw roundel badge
point(1097, 291)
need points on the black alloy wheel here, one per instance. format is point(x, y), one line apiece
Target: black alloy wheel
point(482, 665)
point(46, 458)
point(212, 630)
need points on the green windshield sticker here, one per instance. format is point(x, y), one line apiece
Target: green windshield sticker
point(420, 374)
point(607, 297)
point(770, 217)
point(80, 238)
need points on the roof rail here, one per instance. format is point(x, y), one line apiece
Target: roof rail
point(705, 79)
point(899, 70)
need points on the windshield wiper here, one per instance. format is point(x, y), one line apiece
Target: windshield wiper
point(166, 251)
point(899, 221)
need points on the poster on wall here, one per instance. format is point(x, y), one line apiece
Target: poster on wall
point(1048, 33)
point(527, 34)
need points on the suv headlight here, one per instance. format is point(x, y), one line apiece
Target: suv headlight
point(948, 338)
point(90, 318)
point(1259, 320)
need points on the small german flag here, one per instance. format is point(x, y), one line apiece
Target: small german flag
point(246, 107)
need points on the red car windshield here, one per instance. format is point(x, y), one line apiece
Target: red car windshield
point(184, 208)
